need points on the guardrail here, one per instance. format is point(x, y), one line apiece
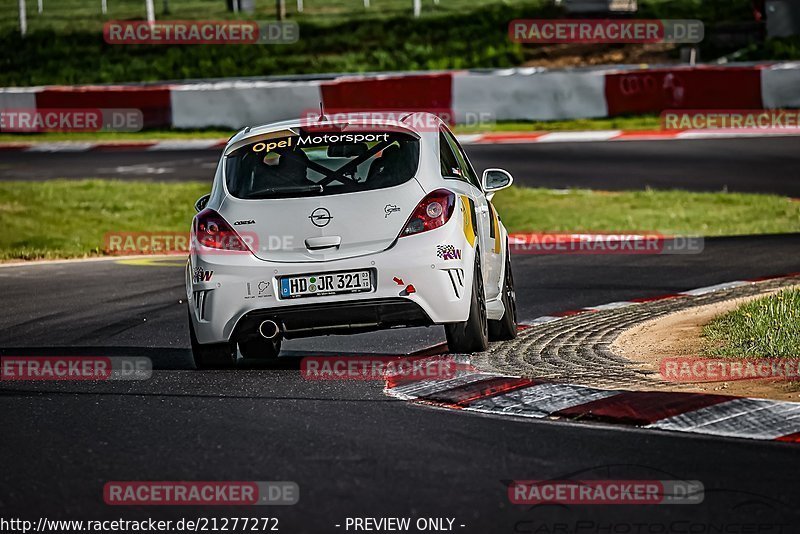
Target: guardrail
point(500, 95)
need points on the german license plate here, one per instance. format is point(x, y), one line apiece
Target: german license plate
point(317, 285)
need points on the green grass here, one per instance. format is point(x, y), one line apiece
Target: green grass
point(85, 15)
point(60, 218)
point(65, 45)
point(65, 218)
point(768, 327)
point(668, 212)
point(644, 122)
point(464, 34)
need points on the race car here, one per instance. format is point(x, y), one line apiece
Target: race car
point(330, 226)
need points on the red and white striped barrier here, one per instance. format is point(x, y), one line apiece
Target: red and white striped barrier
point(698, 413)
point(464, 96)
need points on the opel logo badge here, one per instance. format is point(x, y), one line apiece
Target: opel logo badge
point(320, 217)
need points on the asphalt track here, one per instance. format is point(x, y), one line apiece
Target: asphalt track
point(353, 451)
point(766, 164)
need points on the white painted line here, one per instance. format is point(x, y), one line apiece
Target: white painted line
point(710, 289)
point(743, 418)
point(544, 320)
point(730, 134)
point(611, 306)
point(540, 400)
point(184, 144)
point(66, 146)
point(40, 263)
point(468, 139)
point(578, 137)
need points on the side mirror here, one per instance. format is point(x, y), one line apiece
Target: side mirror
point(200, 205)
point(496, 179)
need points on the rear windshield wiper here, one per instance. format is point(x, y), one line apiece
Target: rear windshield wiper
point(284, 191)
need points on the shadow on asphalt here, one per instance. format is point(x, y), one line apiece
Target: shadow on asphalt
point(172, 359)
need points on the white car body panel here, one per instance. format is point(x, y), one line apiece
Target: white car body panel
point(243, 285)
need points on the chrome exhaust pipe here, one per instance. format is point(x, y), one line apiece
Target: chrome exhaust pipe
point(269, 329)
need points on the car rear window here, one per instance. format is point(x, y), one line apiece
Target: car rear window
point(321, 163)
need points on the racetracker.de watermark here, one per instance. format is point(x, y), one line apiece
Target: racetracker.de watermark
point(33, 120)
point(593, 492)
point(185, 493)
point(377, 367)
point(731, 119)
point(552, 31)
point(605, 243)
point(28, 368)
point(687, 369)
point(194, 32)
point(421, 119)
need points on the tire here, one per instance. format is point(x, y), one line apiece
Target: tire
point(505, 329)
point(212, 355)
point(473, 334)
point(260, 348)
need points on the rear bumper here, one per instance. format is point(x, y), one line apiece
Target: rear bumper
point(235, 292)
point(335, 318)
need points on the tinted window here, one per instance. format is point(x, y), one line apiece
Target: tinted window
point(328, 163)
point(447, 159)
point(463, 163)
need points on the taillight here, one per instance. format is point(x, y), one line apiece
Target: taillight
point(210, 230)
point(432, 212)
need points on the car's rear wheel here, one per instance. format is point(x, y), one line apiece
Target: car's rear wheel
point(505, 329)
point(260, 348)
point(473, 334)
point(211, 355)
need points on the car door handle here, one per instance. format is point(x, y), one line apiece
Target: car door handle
point(317, 243)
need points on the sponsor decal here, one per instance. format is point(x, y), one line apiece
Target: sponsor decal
point(240, 223)
point(322, 139)
point(201, 275)
point(389, 209)
point(398, 281)
point(448, 252)
point(258, 289)
point(320, 217)
point(494, 230)
point(468, 214)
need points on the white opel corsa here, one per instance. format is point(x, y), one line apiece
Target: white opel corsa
point(315, 227)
